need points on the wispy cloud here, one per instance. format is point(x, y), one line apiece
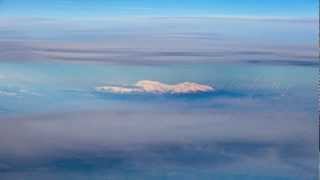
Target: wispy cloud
point(102, 53)
point(17, 92)
point(245, 18)
point(7, 93)
point(154, 41)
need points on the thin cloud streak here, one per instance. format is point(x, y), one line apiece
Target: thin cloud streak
point(24, 52)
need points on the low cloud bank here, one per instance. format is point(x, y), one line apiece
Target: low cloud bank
point(212, 138)
point(155, 87)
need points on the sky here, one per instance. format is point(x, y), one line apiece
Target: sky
point(56, 124)
point(101, 8)
point(168, 89)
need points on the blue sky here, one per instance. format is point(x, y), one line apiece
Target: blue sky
point(101, 8)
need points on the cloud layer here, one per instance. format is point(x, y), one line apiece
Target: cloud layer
point(195, 40)
point(229, 140)
point(155, 87)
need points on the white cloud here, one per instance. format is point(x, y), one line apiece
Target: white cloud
point(155, 87)
point(7, 93)
point(18, 92)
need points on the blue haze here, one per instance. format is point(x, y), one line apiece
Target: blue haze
point(259, 123)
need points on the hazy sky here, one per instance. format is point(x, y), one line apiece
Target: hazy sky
point(261, 61)
point(101, 8)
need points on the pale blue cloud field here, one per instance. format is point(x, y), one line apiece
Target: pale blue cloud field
point(158, 90)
